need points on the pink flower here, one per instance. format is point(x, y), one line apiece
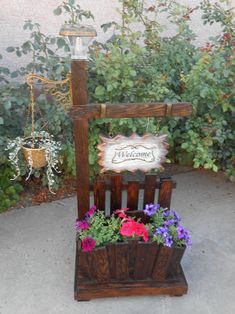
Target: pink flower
point(121, 212)
point(88, 244)
point(91, 211)
point(82, 225)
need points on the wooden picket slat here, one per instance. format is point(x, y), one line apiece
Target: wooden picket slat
point(162, 262)
point(165, 191)
point(145, 257)
point(99, 194)
point(149, 189)
point(99, 264)
point(116, 193)
point(132, 195)
point(133, 243)
point(122, 261)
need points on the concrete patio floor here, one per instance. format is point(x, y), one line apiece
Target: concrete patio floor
point(37, 252)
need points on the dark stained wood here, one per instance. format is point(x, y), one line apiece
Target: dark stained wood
point(122, 261)
point(149, 189)
point(99, 194)
point(111, 251)
point(125, 185)
point(175, 286)
point(133, 243)
point(116, 193)
point(174, 265)
point(132, 195)
point(165, 191)
point(145, 257)
point(99, 265)
point(162, 262)
point(80, 99)
point(131, 110)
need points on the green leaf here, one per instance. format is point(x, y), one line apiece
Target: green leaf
point(100, 90)
point(7, 105)
point(57, 11)
point(61, 42)
point(1, 121)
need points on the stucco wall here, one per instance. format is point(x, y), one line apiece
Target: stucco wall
point(13, 13)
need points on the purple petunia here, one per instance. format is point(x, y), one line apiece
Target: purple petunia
point(176, 216)
point(168, 241)
point(183, 234)
point(166, 213)
point(150, 209)
point(161, 231)
point(169, 222)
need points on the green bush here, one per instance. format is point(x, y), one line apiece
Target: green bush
point(137, 66)
point(9, 190)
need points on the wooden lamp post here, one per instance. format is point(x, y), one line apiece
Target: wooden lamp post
point(121, 269)
point(79, 37)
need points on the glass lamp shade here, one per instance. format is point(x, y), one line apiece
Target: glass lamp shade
point(79, 37)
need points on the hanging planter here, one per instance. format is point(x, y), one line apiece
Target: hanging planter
point(37, 153)
point(39, 150)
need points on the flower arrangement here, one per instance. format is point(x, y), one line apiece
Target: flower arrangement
point(163, 227)
point(41, 142)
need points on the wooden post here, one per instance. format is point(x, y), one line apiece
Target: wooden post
point(80, 99)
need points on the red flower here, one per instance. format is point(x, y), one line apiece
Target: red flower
point(121, 212)
point(133, 228)
point(127, 228)
point(88, 244)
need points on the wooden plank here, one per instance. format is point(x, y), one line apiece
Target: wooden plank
point(174, 265)
point(116, 193)
point(149, 189)
point(111, 251)
point(80, 98)
point(162, 262)
point(125, 185)
point(145, 257)
point(165, 192)
point(131, 110)
point(99, 265)
point(133, 243)
point(99, 194)
point(122, 261)
point(132, 195)
point(176, 286)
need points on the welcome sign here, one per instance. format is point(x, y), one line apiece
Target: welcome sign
point(132, 153)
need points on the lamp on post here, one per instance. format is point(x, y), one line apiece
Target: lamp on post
point(79, 37)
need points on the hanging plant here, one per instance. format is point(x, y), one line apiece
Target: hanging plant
point(39, 150)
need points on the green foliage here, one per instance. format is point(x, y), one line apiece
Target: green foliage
point(9, 190)
point(137, 64)
point(102, 230)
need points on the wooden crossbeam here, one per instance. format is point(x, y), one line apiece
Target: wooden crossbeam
point(131, 110)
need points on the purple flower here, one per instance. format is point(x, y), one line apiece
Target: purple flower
point(82, 225)
point(88, 244)
point(182, 233)
point(91, 211)
point(163, 231)
point(168, 241)
point(169, 222)
point(150, 209)
point(166, 213)
point(176, 216)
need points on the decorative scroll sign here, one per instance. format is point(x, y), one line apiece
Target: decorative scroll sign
point(132, 153)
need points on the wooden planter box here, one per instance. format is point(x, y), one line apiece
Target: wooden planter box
point(133, 267)
point(129, 268)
